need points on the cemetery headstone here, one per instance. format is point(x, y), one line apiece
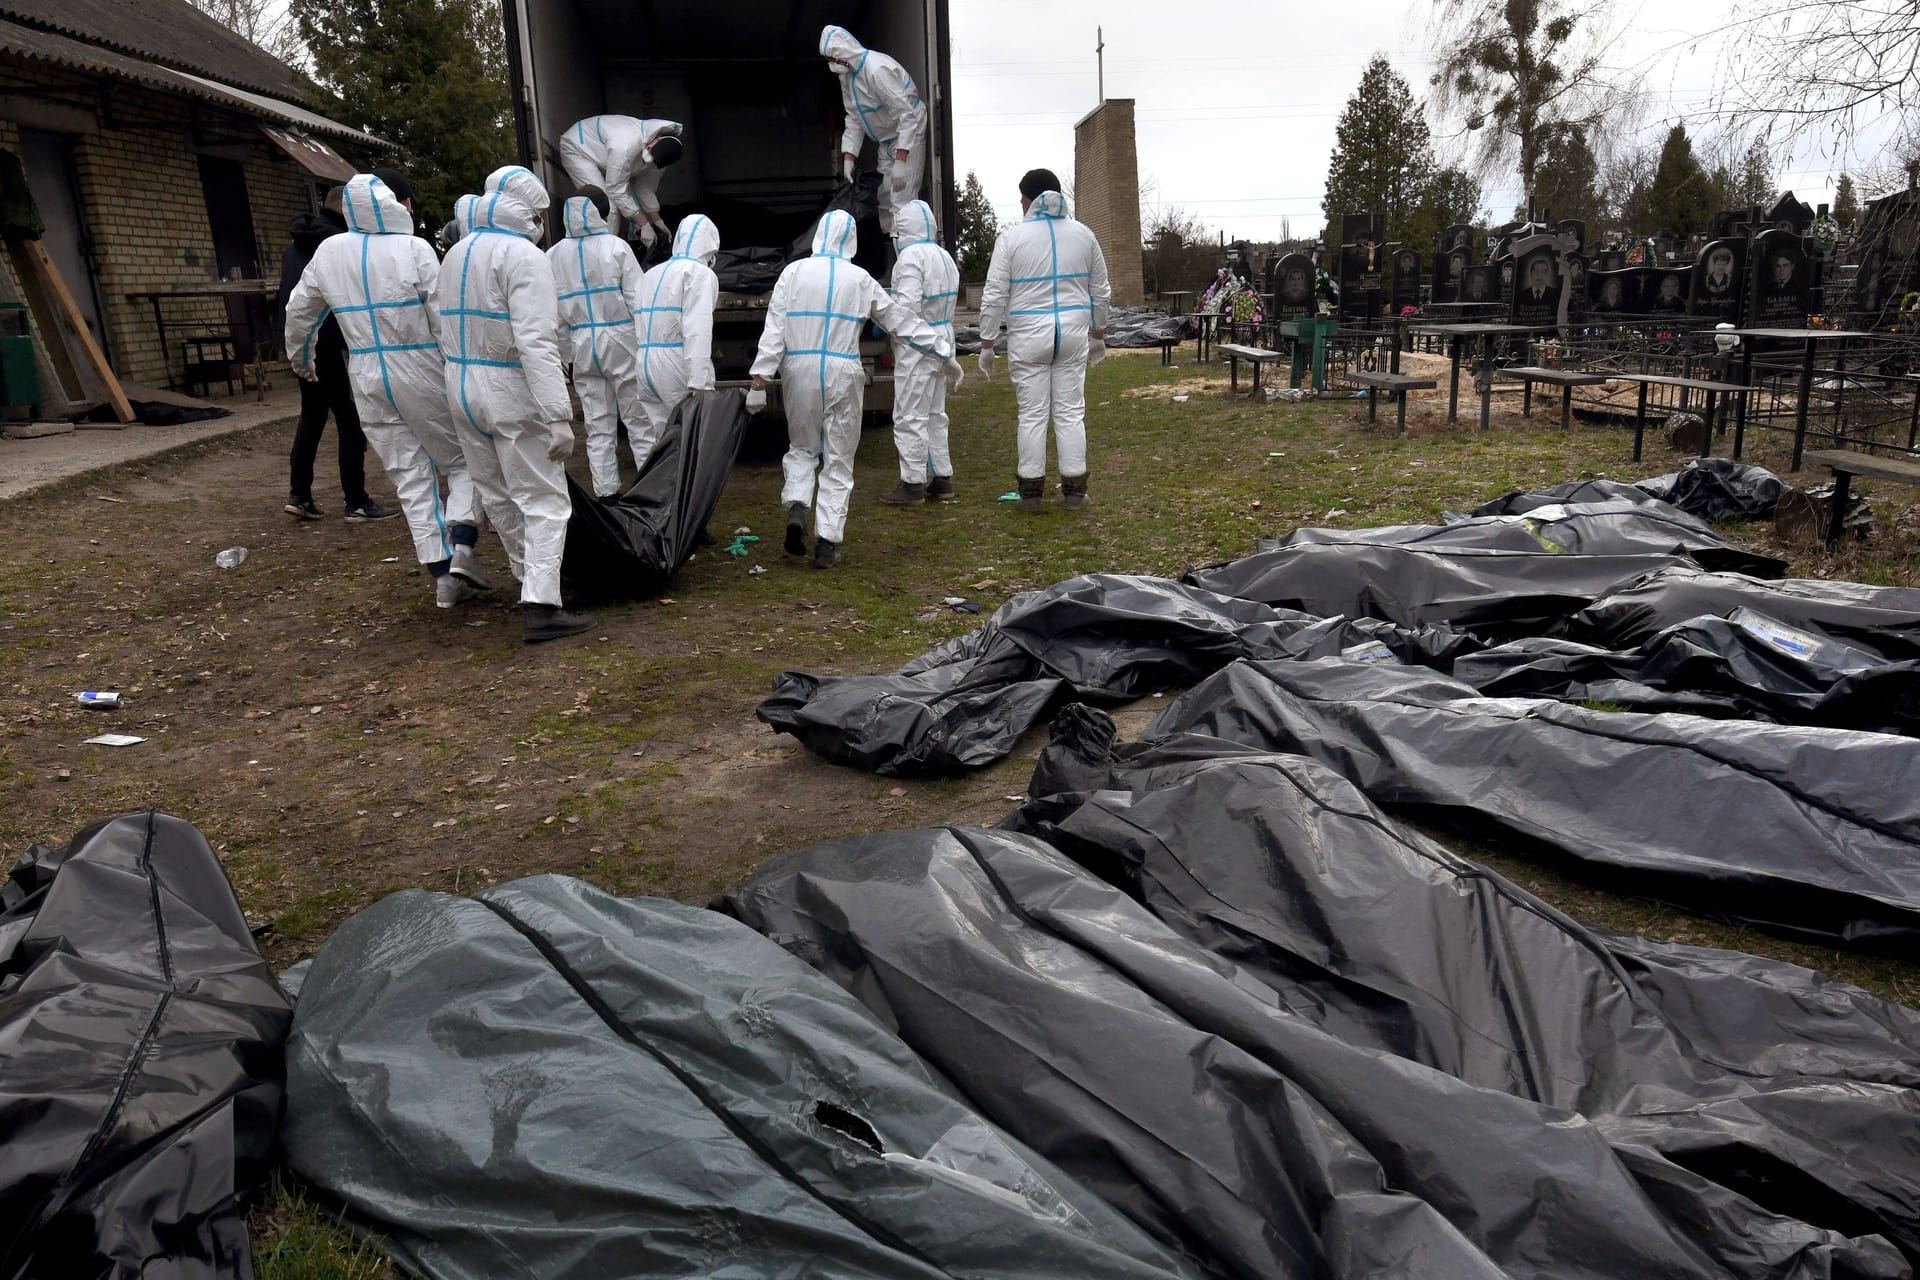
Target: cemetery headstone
point(1363, 263)
point(1406, 280)
point(1610, 260)
point(1665, 290)
point(1293, 286)
point(1780, 287)
point(1480, 284)
point(1452, 256)
point(1612, 293)
point(1506, 276)
point(1535, 298)
point(1789, 213)
point(1717, 277)
point(1576, 273)
point(1572, 227)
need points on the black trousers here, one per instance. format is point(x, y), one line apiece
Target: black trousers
point(332, 393)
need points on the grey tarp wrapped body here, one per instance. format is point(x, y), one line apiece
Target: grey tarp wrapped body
point(1188, 1093)
point(141, 1081)
point(1772, 1082)
point(547, 1081)
point(1810, 832)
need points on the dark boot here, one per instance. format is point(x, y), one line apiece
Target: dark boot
point(1031, 494)
point(1074, 490)
point(940, 488)
point(825, 554)
point(905, 495)
point(797, 529)
point(542, 622)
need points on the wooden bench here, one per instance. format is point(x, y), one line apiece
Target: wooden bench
point(1394, 384)
point(1712, 390)
point(1166, 346)
point(1845, 465)
point(1256, 356)
point(1565, 379)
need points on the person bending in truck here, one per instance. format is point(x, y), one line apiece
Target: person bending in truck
point(881, 103)
point(623, 157)
point(926, 281)
point(599, 283)
point(819, 306)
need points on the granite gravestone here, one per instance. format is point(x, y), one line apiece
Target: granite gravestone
point(1293, 286)
point(1781, 284)
point(1576, 273)
point(1717, 277)
point(1574, 228)
point(1480, 284)
point(1535, 298)
point(1453, 254)
point(1790, 213)
point(1664, 290)
point(1613, 293)
point(1406, 280)
point(1610, 260)
point(1363, 263)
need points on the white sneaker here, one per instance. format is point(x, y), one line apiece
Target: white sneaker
point(467, 565)
point(449, 591)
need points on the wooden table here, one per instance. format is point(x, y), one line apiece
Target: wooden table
point(1705, 385)
point(1811, 338)
point(1174, 301)
point(221, 289)
point(1491, 332)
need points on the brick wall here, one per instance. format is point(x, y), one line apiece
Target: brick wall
point(1106, 191)
point(139, 184)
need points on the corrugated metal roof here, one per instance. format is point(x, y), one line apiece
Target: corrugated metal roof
point(45, 46)
point(170, 32)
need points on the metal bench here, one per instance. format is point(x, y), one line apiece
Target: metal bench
point(1256, 356)
point(1394, 384)
point(1712, 390)
point(1845, 465)
point(1565, 379)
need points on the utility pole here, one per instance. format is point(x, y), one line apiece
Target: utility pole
point(1100, 60)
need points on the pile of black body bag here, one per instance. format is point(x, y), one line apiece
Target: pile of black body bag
point(1203, 1006)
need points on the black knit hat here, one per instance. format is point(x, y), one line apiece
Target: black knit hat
point(396, 182)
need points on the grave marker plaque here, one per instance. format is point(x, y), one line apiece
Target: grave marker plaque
point(1717, 278)
point(1293, 286)
point(1535, 297)
point(1363, 263)
point(1613, 293)
point(1781, 284)
point(1790, 213)
point(1665, 290)
point(1481, 284)
point(1453, 254)
point(1610, 260)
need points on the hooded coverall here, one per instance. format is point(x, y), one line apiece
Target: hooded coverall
point(675, 322)
point(927, 282)
point(880, 103)
point(599, 282)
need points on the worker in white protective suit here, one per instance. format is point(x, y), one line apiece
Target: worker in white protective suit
point(881, 103)
point(376, 279)
point(623, 157)
point(818, 309)
point(599, 282)
point(1047, 288)
point(500, 333)
point(926, 282)
point(675, 321)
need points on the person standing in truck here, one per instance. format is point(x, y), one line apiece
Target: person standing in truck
point(927, 282)
point(1047, 287)
point(881, 103)
point(812, 340)
point(599, 283)
point(623, 157)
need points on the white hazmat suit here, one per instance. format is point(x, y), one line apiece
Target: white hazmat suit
point(815, 317)
point(599, 282)
point(1047, 284)
point(499, 332)
point(376, 280)
point(881, 103)
point(926, 282)
point(613, 154)
point(675, 321)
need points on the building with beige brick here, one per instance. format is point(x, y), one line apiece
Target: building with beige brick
point(1106, 193)
point(162, 152)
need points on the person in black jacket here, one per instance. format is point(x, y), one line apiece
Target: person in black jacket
point(330, 391)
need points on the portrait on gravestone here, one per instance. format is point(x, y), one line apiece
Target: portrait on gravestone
point(1406, 280)
point(1576, 285)
point(1506, 277)
point(1481, 284)
point(1717, 281)
point(1612, 292)
point(1781, 288)
point(1293, 285)
point(1611, 260)
point(1667, 295)
point(1574, 228)
point(1536, 300)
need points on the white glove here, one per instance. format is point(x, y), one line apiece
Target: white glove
point(955, 374)
point(986, 361)
point(756, 400)
point(648, 235)
point(849, 166)
point(1096, 351)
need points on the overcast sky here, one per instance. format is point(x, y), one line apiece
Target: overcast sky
point(1237, 100)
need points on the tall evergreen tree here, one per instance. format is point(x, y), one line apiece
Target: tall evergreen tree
point(1682, 194)
point(1846, 203)
point(1453, 196)
point(974, 237)
point(427, 75)
point(1755, 182)
point(1382, 161)
point(1567, 182)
